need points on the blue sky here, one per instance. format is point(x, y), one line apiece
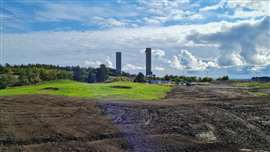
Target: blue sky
point(188, 37)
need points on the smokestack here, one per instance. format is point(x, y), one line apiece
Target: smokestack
point(148, 61)
point(118, 62)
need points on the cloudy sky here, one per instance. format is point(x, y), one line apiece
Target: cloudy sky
point(188, 37)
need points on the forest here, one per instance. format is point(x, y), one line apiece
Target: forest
point(18, 75)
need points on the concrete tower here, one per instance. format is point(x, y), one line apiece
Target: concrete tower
point(118, 62)
point(148, 61)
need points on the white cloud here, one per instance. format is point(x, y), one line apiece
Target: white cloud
point(158, 53)
point(175, 63)
point(109, 22)
point(241, 8)
point(108, 62)
point(163, 11)
point(159, 68)
point(97, 63)
point(214, 7)
point(185, 60)
point(258, 7)
point(94, 64)
point(132, 67)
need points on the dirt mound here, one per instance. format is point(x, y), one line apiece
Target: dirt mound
point(51, 88)
point(121, 87)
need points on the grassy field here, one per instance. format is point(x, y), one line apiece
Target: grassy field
point(258, 85)
point(115, 90)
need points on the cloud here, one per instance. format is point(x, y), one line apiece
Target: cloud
point(158, 53)
point(216, 6)
point(108, 62)
point(246, 43)
point(97, 63)
point(175, 63)
point(256, 8)
point(186, 60)
point(159, 68)
point(166, 11)
point(94, 64)
point(109, 22)
point(132, 67)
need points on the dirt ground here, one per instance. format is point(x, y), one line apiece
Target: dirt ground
point(213, 118)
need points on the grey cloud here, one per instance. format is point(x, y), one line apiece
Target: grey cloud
point(242, 44)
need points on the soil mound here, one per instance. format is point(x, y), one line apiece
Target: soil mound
point(121, 87)
point(51, 88)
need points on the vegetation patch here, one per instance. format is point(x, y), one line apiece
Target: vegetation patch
point(258, 85)
point(124, 91)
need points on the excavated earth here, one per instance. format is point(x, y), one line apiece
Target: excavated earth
point(212, 118)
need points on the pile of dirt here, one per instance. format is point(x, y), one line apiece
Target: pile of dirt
point(121, 87)
point(51, 88)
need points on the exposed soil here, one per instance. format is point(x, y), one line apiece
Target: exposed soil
point(214, 118)
point(52, 123)
point(121, 87)
point(51, 88)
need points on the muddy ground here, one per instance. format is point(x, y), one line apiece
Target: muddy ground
point(213, 118)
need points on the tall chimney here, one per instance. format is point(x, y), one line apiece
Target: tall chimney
point(148, 61)
point(118, 62)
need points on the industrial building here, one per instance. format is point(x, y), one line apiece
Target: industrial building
point(148, 61)
point(118, 62)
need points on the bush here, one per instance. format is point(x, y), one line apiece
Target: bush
point(7, 80)
point(206, 79)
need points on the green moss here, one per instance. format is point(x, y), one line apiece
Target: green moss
point(260, 94)
point(259, 85)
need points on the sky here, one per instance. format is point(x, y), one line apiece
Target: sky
point(187, 37)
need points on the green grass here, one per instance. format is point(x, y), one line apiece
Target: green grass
point(258, 85)
point(138, 91)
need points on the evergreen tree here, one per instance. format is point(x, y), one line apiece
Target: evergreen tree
point(91, 77)
point(139, 78)
point(77, 73)
point(101, 73)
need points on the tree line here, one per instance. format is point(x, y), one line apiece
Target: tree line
point(18, 75)
point(178, 79)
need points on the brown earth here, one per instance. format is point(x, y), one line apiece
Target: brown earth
point(214, 118)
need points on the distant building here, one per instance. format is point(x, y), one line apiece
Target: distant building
point(160, 82)
point(261, 79)
point(118, 62)
point(148, 61)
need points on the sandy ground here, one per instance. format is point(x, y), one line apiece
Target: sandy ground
point(214, 118)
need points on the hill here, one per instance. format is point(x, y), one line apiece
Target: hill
point(115, 90)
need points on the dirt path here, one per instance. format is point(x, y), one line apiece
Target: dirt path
point(130, 122)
